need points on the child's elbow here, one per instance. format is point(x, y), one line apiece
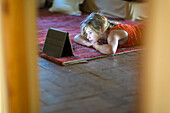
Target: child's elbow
point(113, 52)
point(76, 38)
point(110, 51)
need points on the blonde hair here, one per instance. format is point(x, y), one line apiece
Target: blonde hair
point(96, 21)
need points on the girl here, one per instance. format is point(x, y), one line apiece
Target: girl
point(97, 27)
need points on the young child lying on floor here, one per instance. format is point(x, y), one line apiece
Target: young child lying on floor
point(97, 27)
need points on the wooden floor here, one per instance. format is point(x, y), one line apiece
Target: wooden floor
point(105, 85)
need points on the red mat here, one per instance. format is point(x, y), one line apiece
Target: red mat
point(71, 24)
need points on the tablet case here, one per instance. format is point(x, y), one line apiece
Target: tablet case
point(57, 44)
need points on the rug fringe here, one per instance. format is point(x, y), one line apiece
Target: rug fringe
point(74, 62)
point(88, 59)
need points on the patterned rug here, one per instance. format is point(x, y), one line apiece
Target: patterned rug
point(71, 24)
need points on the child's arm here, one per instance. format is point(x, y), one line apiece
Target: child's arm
point(109, 48)
point(113, 40)
point(82, 40)
point(105, 48)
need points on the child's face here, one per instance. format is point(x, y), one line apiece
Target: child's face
point(91, 35)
